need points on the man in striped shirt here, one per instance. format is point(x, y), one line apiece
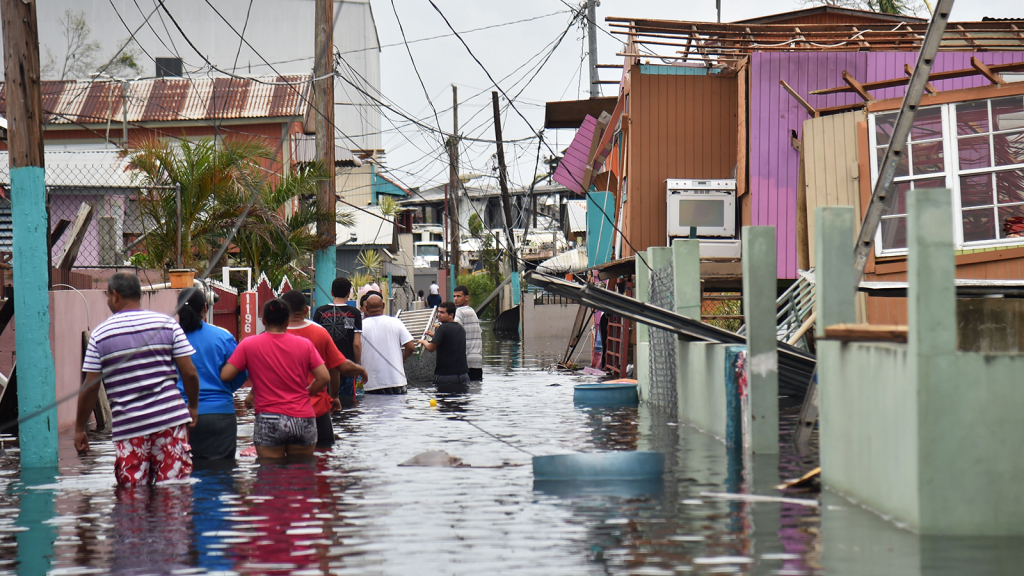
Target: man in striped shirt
point(466, 316)
point(139, 354)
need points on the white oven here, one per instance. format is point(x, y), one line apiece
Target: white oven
point(708, 205)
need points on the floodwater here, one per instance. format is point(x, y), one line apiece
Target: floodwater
point(355, 511)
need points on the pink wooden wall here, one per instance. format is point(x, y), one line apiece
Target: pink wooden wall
point(571, 169)
point(774, 115)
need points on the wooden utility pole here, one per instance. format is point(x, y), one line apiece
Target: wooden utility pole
point(36, 386)
point(453, 187)
point(506, 204)
point(323, 100)
point(595, 80)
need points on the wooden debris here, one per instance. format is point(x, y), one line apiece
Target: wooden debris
point(866, 333)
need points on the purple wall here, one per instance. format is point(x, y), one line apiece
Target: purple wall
point(774, 163)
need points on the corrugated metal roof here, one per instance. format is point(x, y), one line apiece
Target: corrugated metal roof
point(172, 99)
point(576, 214)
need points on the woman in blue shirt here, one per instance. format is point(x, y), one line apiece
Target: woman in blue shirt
point(214, 436)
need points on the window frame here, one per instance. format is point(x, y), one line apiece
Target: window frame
point(951, 173)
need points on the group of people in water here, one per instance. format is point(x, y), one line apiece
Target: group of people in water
point(171, 385)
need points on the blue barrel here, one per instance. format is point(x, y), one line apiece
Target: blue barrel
point(600, 466)
point(607, 394)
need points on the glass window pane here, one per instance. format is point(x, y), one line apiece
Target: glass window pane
point(972, 117)
point(1011, 222)
point(974, 153)
point(1008, 113)
point(894, 233)
point(1009, 148)
point(928, 157)
point(979, 224)
point(1010, 186)
point(884, 123)
point(927, 124)
point(901, 168)
point(929, 183)
point(976, 190)
point(896, 203)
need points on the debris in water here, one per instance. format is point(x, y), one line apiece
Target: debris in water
point(438, 458)
point(804, 481)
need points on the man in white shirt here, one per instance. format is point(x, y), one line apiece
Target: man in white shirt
point(434, 298)
point(466, 316)
point(387, 343)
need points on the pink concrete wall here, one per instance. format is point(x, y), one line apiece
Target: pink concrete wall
point(72, 313)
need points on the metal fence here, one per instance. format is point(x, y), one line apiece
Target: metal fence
point(663, 393)
point(96, 182)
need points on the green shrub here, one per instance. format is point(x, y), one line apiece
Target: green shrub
point(480, 287)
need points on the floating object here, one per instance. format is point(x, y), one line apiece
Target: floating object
point(600, 466)
point(802, 481)
point(622, 392)
point(436, 458)
point(619, 488)
point(433, 402)
point(759, 498)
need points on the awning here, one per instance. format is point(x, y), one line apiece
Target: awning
point(573, 261)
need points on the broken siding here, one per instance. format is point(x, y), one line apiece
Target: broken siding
point(573, 165)
point(679, 127)
point(774, 116)
point(831, 170)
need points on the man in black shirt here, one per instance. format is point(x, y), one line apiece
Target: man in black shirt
point(345, 324)
point(451, 374)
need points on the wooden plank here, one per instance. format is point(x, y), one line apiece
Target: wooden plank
point(802, 249)
point(933, 77)
point(857, 86)
point(866, 333)
point(741, 125)
point(909, 71)
point(58, 230)
point(987, 72)
point(810, 109)
point(67, 259)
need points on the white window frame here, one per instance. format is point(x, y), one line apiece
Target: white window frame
point(951, 174)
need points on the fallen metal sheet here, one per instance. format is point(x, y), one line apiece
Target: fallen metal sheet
point(796, 366)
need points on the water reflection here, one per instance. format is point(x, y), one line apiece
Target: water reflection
point(353, 510)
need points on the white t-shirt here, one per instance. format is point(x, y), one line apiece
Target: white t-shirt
point(383, 337)
point(434, 290)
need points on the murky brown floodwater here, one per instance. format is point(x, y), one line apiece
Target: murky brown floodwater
point(354, 511)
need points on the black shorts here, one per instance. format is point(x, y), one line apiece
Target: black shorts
point(393, 391)
point(476, 374)
point(215, 437)
point(324, 431)
point(279, 430)
point(458, 384)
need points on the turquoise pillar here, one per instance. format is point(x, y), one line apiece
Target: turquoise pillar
point(326, 271)
point(833, 254)
point(931, 273)
point(686, 268)
point(36, 378)
point(759, 295)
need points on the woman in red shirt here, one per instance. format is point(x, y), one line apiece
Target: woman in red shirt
point(279, 365)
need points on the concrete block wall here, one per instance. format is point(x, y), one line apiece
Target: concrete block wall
point(920, 432)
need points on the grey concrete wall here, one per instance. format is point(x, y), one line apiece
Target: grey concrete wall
point(702, 386)
point(546, 321)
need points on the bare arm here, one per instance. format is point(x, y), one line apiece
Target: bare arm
point(190, 382)
point(350, 368)
point(228, 372)
point(335, 385)
point(430, 346)
point(86, 404)
point(321, 377)
point(408, 348)
point(357, 347)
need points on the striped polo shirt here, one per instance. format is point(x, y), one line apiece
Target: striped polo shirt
point(143, 391)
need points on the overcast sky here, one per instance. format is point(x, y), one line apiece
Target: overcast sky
point(415, 154)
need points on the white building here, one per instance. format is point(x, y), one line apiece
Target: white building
point(278, 31)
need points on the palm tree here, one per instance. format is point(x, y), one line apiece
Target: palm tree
point(214, 186)
point(293, 236)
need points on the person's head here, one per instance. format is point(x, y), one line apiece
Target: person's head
point(373, 304)
point(461, 296)
point(192, 307)
point(296, 301)
point(341, 288)
point(446, 312)
point(276, 313)
point(123, 291)
point(433, 282)
point(420, 294)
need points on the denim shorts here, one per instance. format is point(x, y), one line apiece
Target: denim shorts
point(279, 430)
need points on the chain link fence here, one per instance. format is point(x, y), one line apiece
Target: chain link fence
point(663, 393)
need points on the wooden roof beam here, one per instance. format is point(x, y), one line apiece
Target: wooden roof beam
point(987, 72)
point(857, 86)
point(927, 87)
point(810, 109)
point(933, 77)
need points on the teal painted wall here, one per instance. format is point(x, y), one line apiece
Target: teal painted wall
point(600, 231)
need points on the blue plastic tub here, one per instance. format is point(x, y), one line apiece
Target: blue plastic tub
point(616, 393)
point(599, 466)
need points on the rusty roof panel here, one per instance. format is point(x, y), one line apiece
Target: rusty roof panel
point(172, 99)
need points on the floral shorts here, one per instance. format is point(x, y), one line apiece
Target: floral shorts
point(154, 457)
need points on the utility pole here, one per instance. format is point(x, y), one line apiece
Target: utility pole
point(36, 386)
point(718, 5)
point(453, 186)
point(323, 98)
point(595, 85)
point(506, 205)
